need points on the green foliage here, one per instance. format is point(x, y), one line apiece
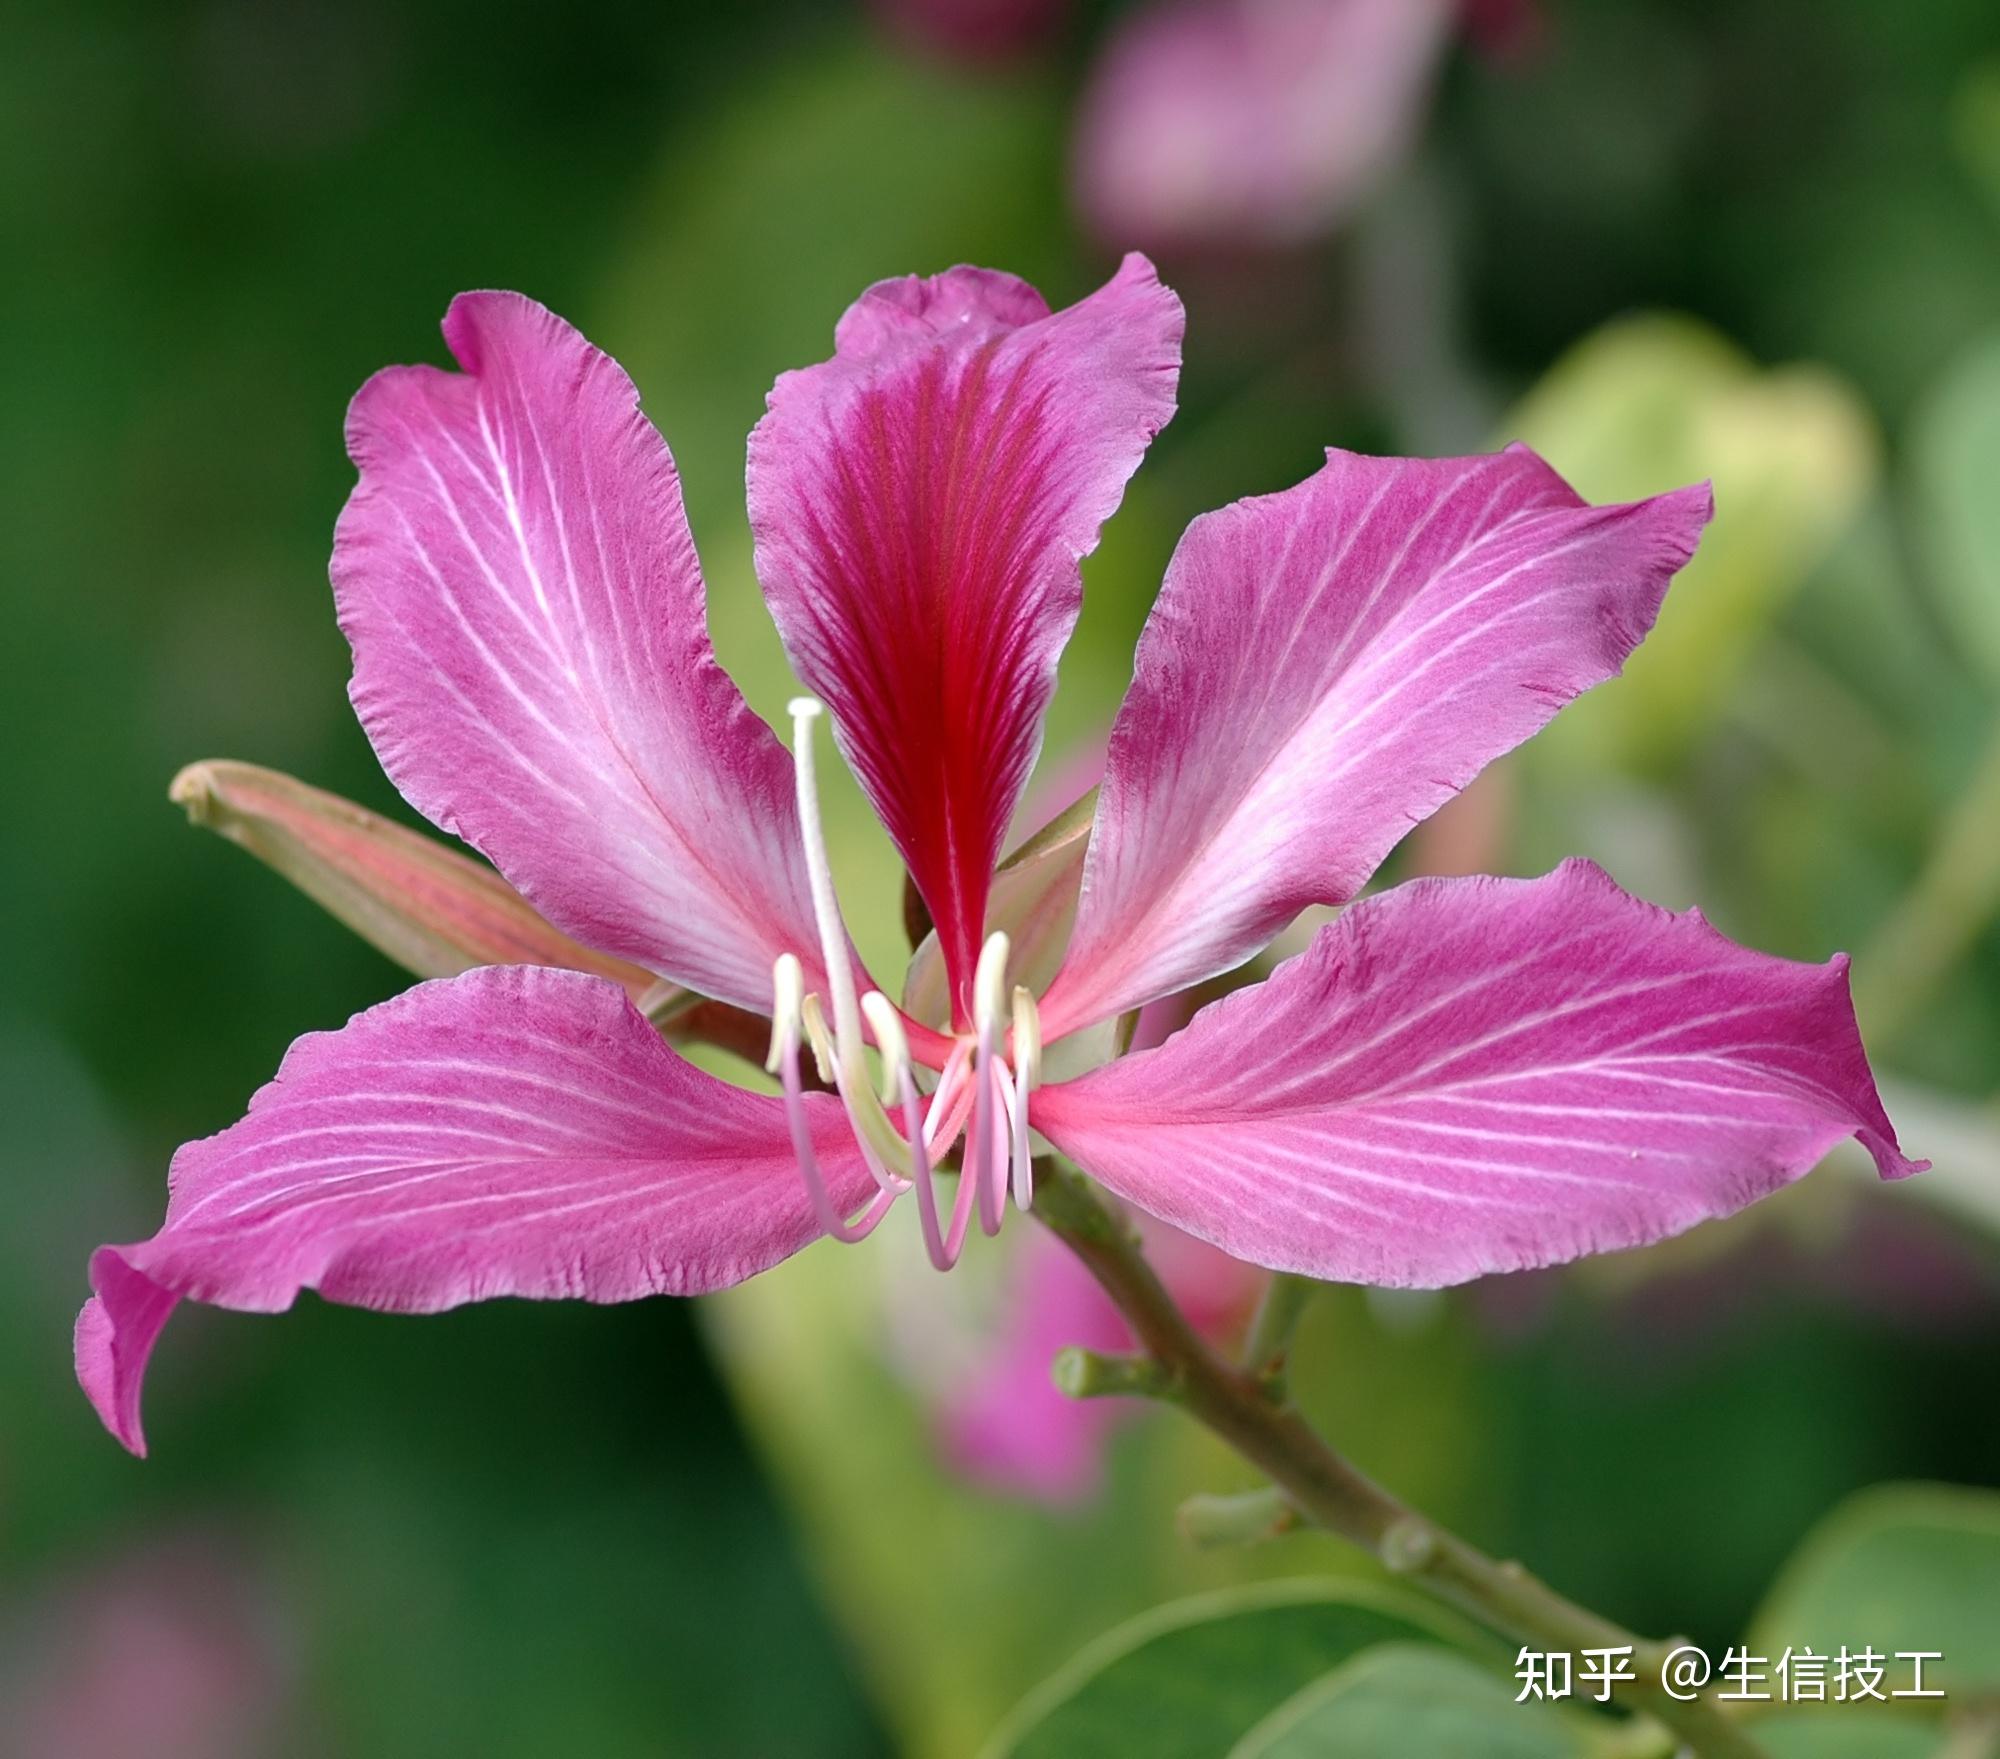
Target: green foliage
point(1847, 1731)
point(1308, 1670)
point(1188, 1681)
point(1908, 1566)
point(1390, 1702)
point(1955, 485)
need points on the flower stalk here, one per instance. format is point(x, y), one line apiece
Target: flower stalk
point(1269, 1346)
point(1242, 1407)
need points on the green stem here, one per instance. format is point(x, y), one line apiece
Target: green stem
point(1269, 1345)
point(1236, 1403)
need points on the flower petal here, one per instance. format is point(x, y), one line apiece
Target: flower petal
point(532, 661)
point(1463, 1076)
point(514, 1131)
point(1326, 667)
point(920, 504)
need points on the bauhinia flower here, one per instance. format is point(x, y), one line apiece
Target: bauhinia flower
point(1456, 1077)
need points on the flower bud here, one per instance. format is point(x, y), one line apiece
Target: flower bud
point(432, 910)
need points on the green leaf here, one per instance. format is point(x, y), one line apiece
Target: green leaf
point(1651, 403)
point(1955, 468)
point(1846, 1731)
point(1393, 1701)
point(1192, 1678)
point(1899, 1567)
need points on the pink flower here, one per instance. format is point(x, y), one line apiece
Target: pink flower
point(1458, 1076)
point(1005, 1426)
point(1240, 122)
point(176, 1649)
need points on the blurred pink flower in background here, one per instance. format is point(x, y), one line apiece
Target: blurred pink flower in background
point(1251, 122)
point(170, 1652)
point(1004, 1424)
point(1232, 123)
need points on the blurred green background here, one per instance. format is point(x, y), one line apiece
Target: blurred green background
point(1752, 239)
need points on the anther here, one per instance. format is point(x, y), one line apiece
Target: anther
point(892, 1041)
point(817, 1037)
point(989, 986)
point(788, 999)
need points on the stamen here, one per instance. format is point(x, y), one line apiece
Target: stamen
point(785, 1053)
point(1014, 1126)
point(995, 1141)
point(990, 1144)
point(893, 1042)
point(805, 710)
point(899, 1080)
point(825, 1062)
point(788, 1000)
point(989, 981)
point(878, 1139)
point(1027, 1077)
point(949, 1104)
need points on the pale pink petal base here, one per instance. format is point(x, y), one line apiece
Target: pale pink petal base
point(514, 1131)
point(1465, 1076)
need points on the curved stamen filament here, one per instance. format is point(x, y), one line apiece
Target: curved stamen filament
point(945, 1116)
point(805, 710)
point(1027, 1077)
point(788, 1011)
point(943, 1246)
point(878, 1139)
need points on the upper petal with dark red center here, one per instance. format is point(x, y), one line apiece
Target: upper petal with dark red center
point(532, 661)
point(514, 1131)
point(1463, 1076)
point(921, 503)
